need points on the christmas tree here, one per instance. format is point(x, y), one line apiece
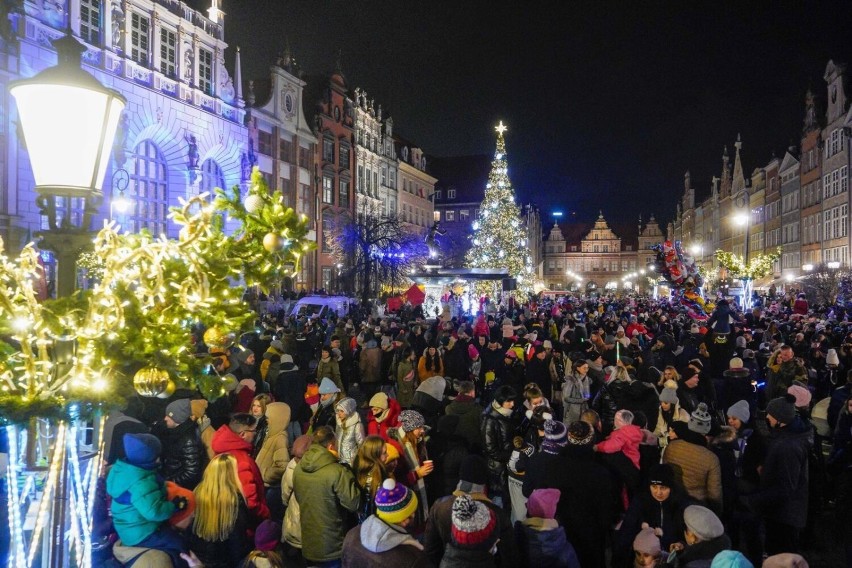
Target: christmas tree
point(499, 239)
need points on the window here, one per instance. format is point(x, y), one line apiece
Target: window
point(369, 177)
point(328, 150)
point(393, 178)
point(148, 190)
point(463, 215)
point(344, 156)
point(376, 181)
point(326, 277)
point(451, 215)
point(327, 224)
point(285, 150)
point(360, 179)
point(211, 176)
point(304, 201)
point(344, 194)
point(139, 27)
point(384, 176)
point(168, 52)
point(285, 188)
point(451, 194)
point(844, 179)
point(327, 189)
point(264, 142)
point(90, 21)
point(305, 157)
point(205, 71)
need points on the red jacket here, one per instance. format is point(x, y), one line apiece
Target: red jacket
point(625, 440)
point(225, 441)
point(800, 307)
point(391, 421)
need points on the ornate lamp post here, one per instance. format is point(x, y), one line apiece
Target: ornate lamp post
point(69, 121)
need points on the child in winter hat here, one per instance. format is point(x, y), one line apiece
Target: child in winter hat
point(544, 542)
point(646, 549)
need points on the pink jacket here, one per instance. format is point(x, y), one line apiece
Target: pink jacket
point(625, 440)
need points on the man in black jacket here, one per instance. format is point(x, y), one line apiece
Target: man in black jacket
point(183, 454)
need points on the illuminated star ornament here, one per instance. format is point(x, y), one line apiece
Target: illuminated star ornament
point(501, 128)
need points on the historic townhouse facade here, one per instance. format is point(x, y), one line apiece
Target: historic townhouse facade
point(416, 187)
point(376, 163)
point(791, 256)
point(182, 131)
point(835, 169)
point(810, 174)
point(286, 152)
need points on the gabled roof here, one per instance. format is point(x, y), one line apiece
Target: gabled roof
point(789, 161)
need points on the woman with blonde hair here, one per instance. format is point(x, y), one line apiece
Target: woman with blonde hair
point(218, 534)
point(370, 473)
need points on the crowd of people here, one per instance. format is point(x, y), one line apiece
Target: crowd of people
point(582, 432)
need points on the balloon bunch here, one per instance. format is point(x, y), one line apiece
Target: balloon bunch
point(695, 306)
point(676, 266)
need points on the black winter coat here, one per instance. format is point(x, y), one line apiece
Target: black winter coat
point(538, 372)
point(643, 508)
point(223, 553)
point(183, 455)
point(497, 432)
point(289, 387)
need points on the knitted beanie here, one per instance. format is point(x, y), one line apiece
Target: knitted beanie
point(785, 560)
point(380, 400)
point(801, 394)
point(702, 522)
point(395, 502)
point(142, 450)
point(327, 386)
point(542, 503)
point(740, 411)
point(647, 542)
point(668, 395)
point(661, 474)
point(411, 420)
point(474, 524)
point(301, 445)
point(700, 420)
point(555, 437)
point(267, 535)
point(179, 410)
point(782, 408)
point(697, 363)
point(736, 362)
point(472, 352)
point(731, 559)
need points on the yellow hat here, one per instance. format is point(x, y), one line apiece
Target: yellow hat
point(395, 502)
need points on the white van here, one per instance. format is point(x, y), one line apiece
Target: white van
point(320, 306)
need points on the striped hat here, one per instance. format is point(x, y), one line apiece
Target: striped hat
point(474, 524)
point(395, 502)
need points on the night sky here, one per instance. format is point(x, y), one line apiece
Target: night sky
point(607, 103)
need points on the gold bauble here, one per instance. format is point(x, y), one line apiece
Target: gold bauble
point(214, 338)
point(152, 381)
point(170, 390)
point(271, 242)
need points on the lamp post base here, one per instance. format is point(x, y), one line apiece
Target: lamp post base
point(66, 245)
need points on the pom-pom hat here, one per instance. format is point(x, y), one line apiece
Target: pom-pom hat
point(395, 502)
point(700, 421)
point(474, 524)
point(782, 408)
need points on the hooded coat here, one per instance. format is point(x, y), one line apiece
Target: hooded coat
point(388, 420)
point(370, 363)
point(274, 454)
point(406, 382)
point(331, 369)
point(326, 491)
point(225, 441)
point(470, 419)
point(377, 544)
point(349, 433)
point(139, 502)
point(542, 542)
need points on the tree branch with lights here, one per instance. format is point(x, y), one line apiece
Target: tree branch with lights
point(758, 266)
point(141, 311)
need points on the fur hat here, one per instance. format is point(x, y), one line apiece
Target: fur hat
point(142, 450)
point(542, 503)
point(801, 394)
point(267, 535)
point(327, 386)
point(179, 410)
point(735, 363)
point(647, 542)
point(831, 358)
point(380, 400)
point(669, 395)
point(782, 409)
point(410, 420)
point(702, 522)
point(474, 470)
point(700, 420)
point(580, 433)
point(474, 524)
point(740, 411)
point(395, 502)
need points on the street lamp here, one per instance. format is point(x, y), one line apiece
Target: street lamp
point(69, 121)
point(744, 220)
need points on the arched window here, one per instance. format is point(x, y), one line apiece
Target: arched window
point(211, 176)
point(149, 190)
